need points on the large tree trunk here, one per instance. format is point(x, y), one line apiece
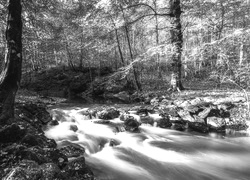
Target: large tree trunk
point(176, 40)
point(11, 74)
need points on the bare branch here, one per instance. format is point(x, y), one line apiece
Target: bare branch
point(146, 15)
point(141, 4)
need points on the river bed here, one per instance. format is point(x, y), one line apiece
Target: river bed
point(154, 153)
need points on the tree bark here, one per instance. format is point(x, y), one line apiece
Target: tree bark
point(177, 41)
point(11, 75)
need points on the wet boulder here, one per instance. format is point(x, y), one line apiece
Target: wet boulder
point(199, 119)
point(216, 124)
point(131, 124)
point(199, 127)
point(35, 154)
point(147, 120)
point(108, 114)
point(32, 140)
point(38, 139)
point(53, 123)
point(179, 126)
point(25, 171)
point(119, 128)
point(77, 169)
point(185, 115)
point(33, 112)
point(51, 171)
point(73, 128)
point(164, 123)
point(73, 150)
point(170, 110)
point(58, 115)
point(9, 155)
point(42, 155)
point(158, 100)
point(125, 116)
point(144, 111)
point(92, 114)
point(56, 156)
point(30, 170)
point(11, 133)
point(155, 101)
point(114, 142)
point(204, 113)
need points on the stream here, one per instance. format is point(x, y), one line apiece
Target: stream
point(154, 153)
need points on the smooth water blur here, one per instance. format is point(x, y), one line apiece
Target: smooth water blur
point(153, 154)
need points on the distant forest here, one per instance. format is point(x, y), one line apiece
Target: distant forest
point(156, 40)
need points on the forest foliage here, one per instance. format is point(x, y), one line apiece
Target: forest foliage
point(126, 33)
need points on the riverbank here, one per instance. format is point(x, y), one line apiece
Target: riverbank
point(211, 110)
point(199, 111)
point(26, 153)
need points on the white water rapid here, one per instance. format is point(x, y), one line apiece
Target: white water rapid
point(154, 153)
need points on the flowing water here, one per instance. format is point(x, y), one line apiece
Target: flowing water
point(154, 153)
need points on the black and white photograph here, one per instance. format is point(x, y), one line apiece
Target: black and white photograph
point(124, 89)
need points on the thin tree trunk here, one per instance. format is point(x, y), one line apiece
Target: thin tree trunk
point(116, 61)
point(81, 54)
point(137, 83)
point(242, 47)
point(241, 53)
point(119, 46)
point(117, 40)
point(55, 56)
point(135, 73)
point(69, 56)
point(81, 59)
point(35, 59)
point(185, 65)
point(176, 40)
point(219, 31)
point(157, 40)
point(11, 75)
point(70, 63)
point(46, 54)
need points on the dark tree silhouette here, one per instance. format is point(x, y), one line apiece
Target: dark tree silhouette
point(11, 72)
point(177, 41)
